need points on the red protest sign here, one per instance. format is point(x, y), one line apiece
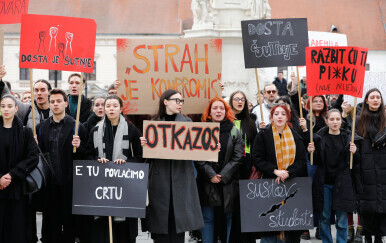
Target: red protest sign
point(335, 70)
point(57, 43)
point(11, 11)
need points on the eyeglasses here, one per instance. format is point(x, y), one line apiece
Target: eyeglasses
point(178, 100)
point(271, 91)
point(237, 99)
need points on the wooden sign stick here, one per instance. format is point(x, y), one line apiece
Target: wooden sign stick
point(110, 229)
point(353, 129)
point(258, 94)
point(31, 80)
point(311, 131)
point(78, 108)
point(299, 94)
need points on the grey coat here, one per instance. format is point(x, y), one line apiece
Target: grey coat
point(173, 180)
point(24, 109)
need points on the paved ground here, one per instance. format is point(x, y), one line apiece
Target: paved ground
point(145, 237)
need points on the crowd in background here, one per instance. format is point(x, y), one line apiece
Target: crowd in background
point(266, 140)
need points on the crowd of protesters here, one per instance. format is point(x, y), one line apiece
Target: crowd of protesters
point(195, 196)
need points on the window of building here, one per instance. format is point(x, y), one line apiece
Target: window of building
point(91, 76)
point(51, 74)
point(367, 67)
point(24, 74)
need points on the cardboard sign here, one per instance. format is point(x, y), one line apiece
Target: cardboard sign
point(267, 206)
point(181, 140)
point(274, 42)
point(57, 43)
point(148, 67)
point(335, 70)
point(109, 189)
point(11, 11)
point(372, 80)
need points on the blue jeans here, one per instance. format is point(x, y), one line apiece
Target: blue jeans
point(208, 230)
point(271, 239)
point(341, 223)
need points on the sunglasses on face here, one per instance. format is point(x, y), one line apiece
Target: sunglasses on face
point(270, 91)
point(237, 99)
point(178, 100)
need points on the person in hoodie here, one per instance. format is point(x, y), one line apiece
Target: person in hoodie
point(333, 190)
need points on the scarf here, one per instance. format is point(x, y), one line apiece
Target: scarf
point(104, 135)
point(285, 147)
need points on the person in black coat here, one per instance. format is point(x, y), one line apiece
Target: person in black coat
point(98, 108)
point(333, 189)
point(56, 137)
point(281, 84)
point(113, 131)
point(74, 84)
point(218, 182)
point(371, 125)
point(281, 168)
point(172, 185)
point(18, 156)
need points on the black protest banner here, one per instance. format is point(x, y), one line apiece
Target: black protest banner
point(109, 189)
point(181, 140)
point(274, 42)
point(267, 206)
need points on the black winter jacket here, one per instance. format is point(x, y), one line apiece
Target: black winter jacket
point(344, 197)
point(210, 193)
point(85, 109)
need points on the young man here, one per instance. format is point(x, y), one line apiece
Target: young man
point(281, 84)
point(56, 136)
point(74, 84)
point(270, 95)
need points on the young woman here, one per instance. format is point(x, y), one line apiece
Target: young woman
point(114, 140)
point(371, 126)
point(333, 189)
point(98, 108)
point(294, 116)
point(218, 182)
point(174, 206)
point(18, 156)
point(247, 127)
point(279, 153)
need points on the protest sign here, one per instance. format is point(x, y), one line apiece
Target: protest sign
point(268, 206)
point(109, 189)
point(274, 42)
point(57, 43)
point(148, 67)
point(335, 70)
point(181, 140)
point(318, 38)
point(11, 11)
point(372, 80)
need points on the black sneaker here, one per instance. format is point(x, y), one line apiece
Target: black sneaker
point(306, 235)
point(350, 234)
point(317, 233)
point(358, 235)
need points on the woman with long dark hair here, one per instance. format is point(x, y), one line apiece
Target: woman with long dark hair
point(114, 140)
point(371, 126)
point(247, 127)
point(174, 206)
point(218, 182)
point(279, 153)
point(333, 189)
point(18, 156)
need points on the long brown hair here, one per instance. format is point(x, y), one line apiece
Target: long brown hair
point(365, 116)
